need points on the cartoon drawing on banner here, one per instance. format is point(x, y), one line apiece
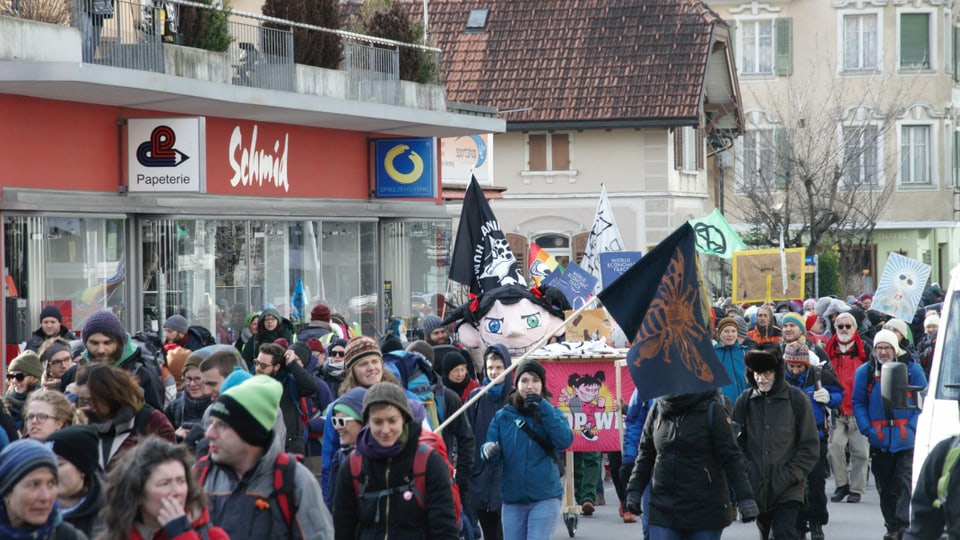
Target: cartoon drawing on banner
point(588, 404)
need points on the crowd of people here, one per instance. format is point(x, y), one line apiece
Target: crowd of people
point(315, 432)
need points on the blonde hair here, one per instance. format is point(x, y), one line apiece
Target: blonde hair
point(63, 410)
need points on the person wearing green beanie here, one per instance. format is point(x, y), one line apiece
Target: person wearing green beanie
point(23, 374)
point(246, 445)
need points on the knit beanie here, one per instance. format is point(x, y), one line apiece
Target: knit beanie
point(250, 408)
point(796, 353)
point(430, 323)
point(177, 323)
point(78, 445)
point(351, 403)
point(531, 366)
point(303, 352)
point(452, 360)
point(320, 312)
point(866, 296)
point(271, 312)
point(28, 363)
point(422, 347)
point(316, 346)
point(106, 323)
point(888, 337)
point(390, 343)
point(725, 322)
point(282, 342)
point(793, 318)
point(20, 458)
point(810, 321)
point(51, 311)
point(53, 349)
point(931, 319)
point(359, 347)
point(389, 394)
point(898, 325)
point(810, 303)
point(742, 327)
point(235, 378)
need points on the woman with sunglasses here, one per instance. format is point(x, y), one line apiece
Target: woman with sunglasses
point(347, 421)
point(56, 356)
point(47, 411)
point(331, 372)
point(23, 378)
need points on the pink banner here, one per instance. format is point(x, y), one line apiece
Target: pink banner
point(585, 392)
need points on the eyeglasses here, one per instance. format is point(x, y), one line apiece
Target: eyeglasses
point(844, 326)
point(192, 380)
point(58, 362)
point(39, 417)
point(342, 421)
point(337, 353)
point(18, 376)
point(262, 365)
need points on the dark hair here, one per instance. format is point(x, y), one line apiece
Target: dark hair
point(472, 312)
point(222, 361)
point(597, 378)
point(112, 387)
point(127, 483)
point(274, 351)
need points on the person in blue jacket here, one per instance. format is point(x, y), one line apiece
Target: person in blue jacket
point(890, 434)
point(822, 387)
point(632, 432)
point(731, 351)
point(531, 500)
point(485, 499)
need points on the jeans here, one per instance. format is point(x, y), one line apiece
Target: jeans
point(533, 521)
point(662, 533)
point(845, 434)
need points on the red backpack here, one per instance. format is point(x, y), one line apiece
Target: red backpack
point(429, 440)
point(284, 484)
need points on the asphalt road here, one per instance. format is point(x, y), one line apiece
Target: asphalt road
point(847, 521)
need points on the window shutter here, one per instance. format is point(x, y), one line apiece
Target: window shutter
point(537, 147)
point(783, 46)
point(580, 246)
point(560, 151)
point(914, 40)
point(698, 147)
point(956, 159)
point(677, 148)
point(955, 33)
point(519, 245)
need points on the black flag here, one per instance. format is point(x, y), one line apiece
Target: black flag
point(481, 255)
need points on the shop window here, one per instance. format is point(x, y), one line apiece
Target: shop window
point(416, 258)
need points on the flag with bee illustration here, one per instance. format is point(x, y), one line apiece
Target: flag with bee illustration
point(661, 305)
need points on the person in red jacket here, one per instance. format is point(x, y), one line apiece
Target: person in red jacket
point(847, 352)
point(169, 505)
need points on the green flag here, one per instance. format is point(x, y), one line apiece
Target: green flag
point(715, 236)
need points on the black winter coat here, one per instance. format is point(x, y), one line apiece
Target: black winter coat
point(927, 522)
point(38, 337)
point(297, 383)
point(692, 463)
point(393, 516)
point(85, 517)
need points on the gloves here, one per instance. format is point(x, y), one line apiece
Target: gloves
point(532, 400)
point(821, 396)
point(490, 451)
point(633, 503)
point(748, 510)
point(625, 471)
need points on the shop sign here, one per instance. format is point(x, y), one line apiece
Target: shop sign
point(405, 168)
point(166, 155)
point(466, 156)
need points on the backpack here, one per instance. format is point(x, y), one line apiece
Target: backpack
point(420, 382)
point(205, 336)
point(429, 440)
point(284, 482)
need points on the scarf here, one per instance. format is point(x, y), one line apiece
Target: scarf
point(123, 422)
point(29, 532)
point(457, 387)
point(495, 391)
point(368, 447)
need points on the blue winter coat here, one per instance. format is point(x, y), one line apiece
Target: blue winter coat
point(533, 474)
point(731, 356)
point(888, 433)
point(485, 480)
point(633, 426)
point(806, 381)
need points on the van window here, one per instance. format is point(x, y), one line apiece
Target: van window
point(949, 339)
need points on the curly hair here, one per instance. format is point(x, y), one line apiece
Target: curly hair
point(349, 381)
point(126, 486)
point(63, 410)
point(112, 387)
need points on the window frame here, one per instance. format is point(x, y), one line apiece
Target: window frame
point(742, 149)
point(842, 43)
point(879, 157)
point(932, 33)
point(932, 142)
point(741, 40)
point(689, 158)
point(548, 158)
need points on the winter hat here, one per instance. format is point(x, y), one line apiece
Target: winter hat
point(389, 394)
point(898, 325)
point(303, 352)
point(390, 343)
point(759, 360)
point(794, 318)
point(235, 378)
point(822, 305)
point(725, 322)
point(250, 408)
point(28, 363)
point(53, 349)
point(358, 348)
point(422, 347)
point(931, 319)
point(888, 337)
point(20, 458)
point(810, 303)
point(320, 312)
point(742, 326)
point(282, 342)
point(316, 346)
point(177, 323)
point(835, 306)
point(51, 311)
point(106, 323)
point(451, 360)
point(796, 353)
point(78, 445)
point(531, 366)
point(351, 403)
point(430, 323)
point(272, 312)
point(866, 296)
point(810, 321)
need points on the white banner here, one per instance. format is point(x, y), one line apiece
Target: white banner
point(604, 237)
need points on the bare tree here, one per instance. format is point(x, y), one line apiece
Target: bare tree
point(817, 162)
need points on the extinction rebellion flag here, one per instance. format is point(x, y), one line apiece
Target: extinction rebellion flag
point(660, 303)
point(481, 255)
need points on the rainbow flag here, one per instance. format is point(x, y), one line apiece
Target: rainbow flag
point(542, 264)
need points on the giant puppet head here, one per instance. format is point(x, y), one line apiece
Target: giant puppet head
point(511, 315)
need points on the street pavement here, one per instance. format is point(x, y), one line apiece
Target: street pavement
point(861, 521)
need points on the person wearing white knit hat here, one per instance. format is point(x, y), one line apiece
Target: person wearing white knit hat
point(931, 323)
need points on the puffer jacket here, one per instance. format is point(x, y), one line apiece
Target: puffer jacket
point(533, 474)
point(485, 481)
point(845, 362)
point(778, 437)
point(394, 514)
point(692, 462)
point(888, 432)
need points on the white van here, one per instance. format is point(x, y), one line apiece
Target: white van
point(939, 418)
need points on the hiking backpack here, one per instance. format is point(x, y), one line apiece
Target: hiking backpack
point(284, 482)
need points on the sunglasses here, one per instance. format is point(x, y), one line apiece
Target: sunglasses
point(342, 421)
point(338, 353)
point(844, 326)
point(18, 376)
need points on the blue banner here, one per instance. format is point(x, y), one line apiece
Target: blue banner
point(614, 263)
point(575, 283)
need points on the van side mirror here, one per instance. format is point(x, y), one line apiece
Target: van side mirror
point(895, 388)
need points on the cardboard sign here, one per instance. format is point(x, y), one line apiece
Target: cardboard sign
point(590, 325)
point(758, 275)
